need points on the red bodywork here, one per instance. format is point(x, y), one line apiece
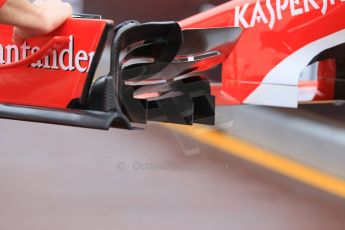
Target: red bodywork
point(273, 32)
point(45, 83)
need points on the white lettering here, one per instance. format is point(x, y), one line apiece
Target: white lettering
point(258, 15)
point(9, 49)
point(46, 62)
point(69, 52)
point(38, 64)
point(55, 60)
point(312, 3)
point(239, 16)
point(25, 49)
point(65, 59)
point(294, 11)
point(81, 56)
point(272, 14)
point(2, 61)
point(91, 55)
point(281, 7)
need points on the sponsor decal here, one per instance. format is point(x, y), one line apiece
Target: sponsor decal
point(67, 59)
point(268, 11)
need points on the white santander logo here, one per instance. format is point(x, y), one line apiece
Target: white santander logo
point(67, 59)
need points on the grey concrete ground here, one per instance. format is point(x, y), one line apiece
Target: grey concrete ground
point(61, 178)
point(313, 135)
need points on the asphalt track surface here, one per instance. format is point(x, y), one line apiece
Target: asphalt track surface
point(61, 178)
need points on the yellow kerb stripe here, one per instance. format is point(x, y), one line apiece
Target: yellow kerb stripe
point(239, 148)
